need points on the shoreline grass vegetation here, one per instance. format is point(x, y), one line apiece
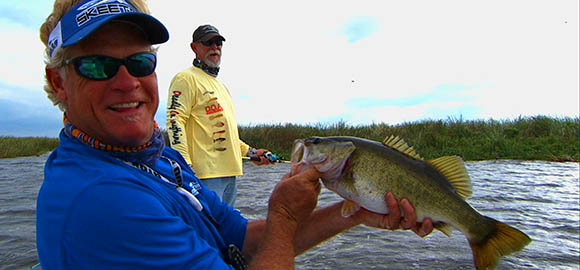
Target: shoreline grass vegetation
point(524, 138)
point(11, 147)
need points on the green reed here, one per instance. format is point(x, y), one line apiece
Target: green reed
point(25, 146)
point(524, 138)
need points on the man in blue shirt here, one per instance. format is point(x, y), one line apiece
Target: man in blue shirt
point(114, 197)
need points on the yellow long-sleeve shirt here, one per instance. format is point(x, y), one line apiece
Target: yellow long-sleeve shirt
point(202, 126)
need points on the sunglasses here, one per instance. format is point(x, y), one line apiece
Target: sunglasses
point(101, 67)
point(217, 42)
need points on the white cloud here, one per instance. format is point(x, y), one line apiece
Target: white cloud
point(21, 57)
point(291, 62)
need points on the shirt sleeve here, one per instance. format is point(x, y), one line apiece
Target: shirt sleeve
point(135, 232)
point(181, 100)
point(244, 148)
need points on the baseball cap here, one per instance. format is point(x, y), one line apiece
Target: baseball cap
point(205, 33)
point(86, 17)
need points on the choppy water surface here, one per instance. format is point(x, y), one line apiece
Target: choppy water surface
point(540, 198)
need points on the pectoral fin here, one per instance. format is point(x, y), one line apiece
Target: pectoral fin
point(349, 208)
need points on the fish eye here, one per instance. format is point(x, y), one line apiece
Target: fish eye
point(313, 140)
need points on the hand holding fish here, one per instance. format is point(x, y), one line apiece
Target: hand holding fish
point(395, 219)
point(258, 158)
point(295, 196)
point(291, 203)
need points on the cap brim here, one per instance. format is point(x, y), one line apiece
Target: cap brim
point(153, 28)
point(211, 36)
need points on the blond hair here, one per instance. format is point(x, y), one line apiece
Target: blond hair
point(60, 8)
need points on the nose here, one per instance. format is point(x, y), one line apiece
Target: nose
point(124, 81)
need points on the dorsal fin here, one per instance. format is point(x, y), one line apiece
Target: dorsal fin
point(453, 168)
point(400, 145)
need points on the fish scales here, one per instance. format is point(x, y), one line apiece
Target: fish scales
point(363, 171)
point(385, 169)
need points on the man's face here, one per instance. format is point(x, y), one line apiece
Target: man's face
point(211, 55)
point(119, 110)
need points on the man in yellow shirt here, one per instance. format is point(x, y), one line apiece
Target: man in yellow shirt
point(201, 123)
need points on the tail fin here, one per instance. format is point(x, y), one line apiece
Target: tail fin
point(503, 241)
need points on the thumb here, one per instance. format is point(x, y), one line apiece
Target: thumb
point(311, 175)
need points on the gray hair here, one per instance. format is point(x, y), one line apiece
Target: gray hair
point(56, 61)
point(60, 8)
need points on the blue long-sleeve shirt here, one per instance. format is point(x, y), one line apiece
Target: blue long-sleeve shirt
point(95, 211)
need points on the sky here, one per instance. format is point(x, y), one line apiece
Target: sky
point(321, 62)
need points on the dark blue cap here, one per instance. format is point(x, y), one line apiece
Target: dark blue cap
point(90, 15)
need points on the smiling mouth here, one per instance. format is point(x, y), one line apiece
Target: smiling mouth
point(125, 106)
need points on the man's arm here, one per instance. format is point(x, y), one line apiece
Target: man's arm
point(179, 104)
point(273, 240)
point(323, 224)
point(272, 243)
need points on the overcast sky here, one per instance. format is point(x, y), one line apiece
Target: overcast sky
point(359, 62)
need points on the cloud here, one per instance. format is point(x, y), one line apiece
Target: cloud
point(324, 61)
point(23, 119)
point(440, 93)
point(359, 28)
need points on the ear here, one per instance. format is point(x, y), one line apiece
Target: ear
point(193, 47)
point(55, 80)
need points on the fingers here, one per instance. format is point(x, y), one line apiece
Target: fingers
point(407, 219)
point(300, 167)
point(286, 176)
point(262, 161)
point(261, 151)
point(310, 175)
point(394, 216)
point(425, 229)
point(410, 218)
point(296, 168)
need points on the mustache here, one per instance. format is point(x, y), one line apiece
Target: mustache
point(210, 52)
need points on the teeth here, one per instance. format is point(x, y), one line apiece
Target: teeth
point(125, 105)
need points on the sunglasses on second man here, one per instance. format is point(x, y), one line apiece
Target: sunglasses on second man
point(102, 67)
point(218, 42)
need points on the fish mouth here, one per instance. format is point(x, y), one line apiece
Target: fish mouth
point(300, 153)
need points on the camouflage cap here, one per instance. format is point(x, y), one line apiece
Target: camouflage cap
point(205, 33)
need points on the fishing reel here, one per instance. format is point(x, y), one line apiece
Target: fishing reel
point(268, 155)
point(271, 157)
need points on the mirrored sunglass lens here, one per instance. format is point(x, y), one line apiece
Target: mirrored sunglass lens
point(100, 67)
point(111, 66)
point(93, 67)
point(141, 64)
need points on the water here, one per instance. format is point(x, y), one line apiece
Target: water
point(540, 198)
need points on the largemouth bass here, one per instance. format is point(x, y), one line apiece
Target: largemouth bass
point(363, 171)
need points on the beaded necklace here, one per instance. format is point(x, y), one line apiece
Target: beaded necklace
point(147, 153)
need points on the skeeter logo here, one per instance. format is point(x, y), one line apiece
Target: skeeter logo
point(101, 9)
